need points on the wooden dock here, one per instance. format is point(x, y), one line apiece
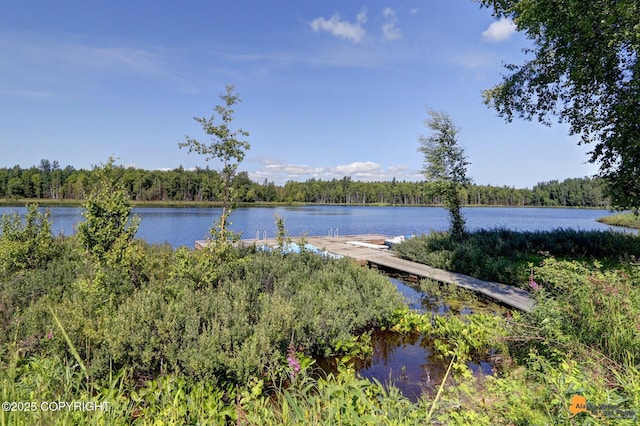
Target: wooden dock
point(369, 249)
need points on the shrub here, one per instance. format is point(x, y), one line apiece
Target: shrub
point(25, 245)
point(244, 320)
point(598, 306)
point(108, 230)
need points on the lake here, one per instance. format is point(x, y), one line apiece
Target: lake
point(183, 226)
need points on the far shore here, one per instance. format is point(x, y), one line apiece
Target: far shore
point(49, 202)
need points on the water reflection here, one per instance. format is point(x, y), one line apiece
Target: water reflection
point(419, 301)
point(408, 361)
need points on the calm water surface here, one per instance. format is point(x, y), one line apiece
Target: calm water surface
point(182, 226)
point(409, 360)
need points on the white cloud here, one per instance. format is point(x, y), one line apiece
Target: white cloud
point(389, 29)
point(342, 28)
point(398, 169)
point(294, 169)
point(357, 168)
point(499, 31)
point(280, 173)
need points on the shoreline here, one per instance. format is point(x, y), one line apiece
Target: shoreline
point(48, 202)
point(623, 220)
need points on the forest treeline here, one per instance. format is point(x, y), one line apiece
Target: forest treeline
point(49, 180)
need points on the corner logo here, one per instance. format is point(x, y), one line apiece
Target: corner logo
point(578, 404)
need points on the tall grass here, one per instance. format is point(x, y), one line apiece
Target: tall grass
point(36, 389)
point(628, 220)
point(598, 306)
point(505, 256)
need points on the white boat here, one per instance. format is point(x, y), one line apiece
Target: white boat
point(390, 242)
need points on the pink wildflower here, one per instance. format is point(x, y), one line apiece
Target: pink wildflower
point(293, 362)
point(532, 283)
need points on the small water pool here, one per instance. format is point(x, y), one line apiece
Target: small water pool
point(408, 360)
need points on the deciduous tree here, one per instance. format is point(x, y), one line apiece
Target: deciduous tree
point(445, 165)
point(227, 147)
point(583, 70)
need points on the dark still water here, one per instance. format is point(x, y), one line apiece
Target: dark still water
point(409, 361)
point(183, 226)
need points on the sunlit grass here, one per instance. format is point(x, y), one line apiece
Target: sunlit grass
point(628, 220)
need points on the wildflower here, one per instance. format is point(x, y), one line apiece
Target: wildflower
point(293, 362)
point(532, 283)
point(50, 335)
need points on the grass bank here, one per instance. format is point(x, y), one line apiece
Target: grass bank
point(628, 220)
point(507, 256)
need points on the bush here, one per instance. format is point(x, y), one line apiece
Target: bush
point(108, 229)
point(25, 245)
point(243, 321)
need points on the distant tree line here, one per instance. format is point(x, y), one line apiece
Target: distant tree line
point(50, 181)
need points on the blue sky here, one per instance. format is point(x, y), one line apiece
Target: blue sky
point(329, 89)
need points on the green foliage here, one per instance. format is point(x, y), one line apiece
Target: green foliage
point(108, 230)
point(24, 296)
point(599, 307)
point(581, 339)
point(25, 245)
point(230, 151)
point(354, 346)
point(172, 400)
point(40, 384)
point(584, 70)
point(235, 323)
point(510, 399)
point(503, 255)
point(183, 311)
point(202, 186)
point(453, 337)
point(281, 236)
point(628, 220)
point(445, 165)
point(342, 399)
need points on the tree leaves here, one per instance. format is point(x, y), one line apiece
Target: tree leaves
point(230, 151)
point(445, 165)
point(585, 72)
